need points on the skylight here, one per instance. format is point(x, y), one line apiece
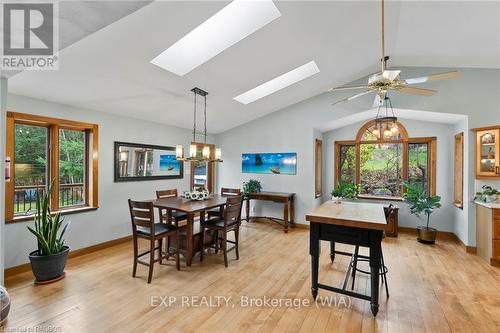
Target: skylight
point(227, 27)
point(276, 84)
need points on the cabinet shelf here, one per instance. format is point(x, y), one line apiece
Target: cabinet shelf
point(487, 159)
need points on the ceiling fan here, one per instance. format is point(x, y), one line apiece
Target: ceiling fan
point(387, 80)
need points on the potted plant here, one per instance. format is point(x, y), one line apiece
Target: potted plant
point(252, 186)
point(489, 194)
point(420, 203)
point(345, 191)
point(49, 260)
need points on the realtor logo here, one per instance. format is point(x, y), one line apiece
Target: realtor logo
point(29, 35)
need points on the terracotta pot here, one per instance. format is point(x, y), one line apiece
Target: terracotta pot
point(426, 235)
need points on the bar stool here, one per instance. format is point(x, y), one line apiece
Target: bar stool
point(357, 257)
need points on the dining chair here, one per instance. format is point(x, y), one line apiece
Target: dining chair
point(226, 192)
point(230, 221)
point(388, 210)
point(170, 216)
point(144, 226)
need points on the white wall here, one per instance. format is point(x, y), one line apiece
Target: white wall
point(112, 219)
point(443, 218)
point(475, 94)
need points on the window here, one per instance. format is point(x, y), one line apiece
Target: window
point(381, 166)
point(318, 164)
point(459, 170)
point(48, 151)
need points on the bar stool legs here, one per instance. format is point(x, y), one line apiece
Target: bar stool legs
point(354, 266)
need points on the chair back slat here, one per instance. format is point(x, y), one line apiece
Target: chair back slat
point(141, 214)
point(232, 210)
point(171, 193)
point(230, 191)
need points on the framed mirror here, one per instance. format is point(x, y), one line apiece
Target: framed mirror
point(135, 161)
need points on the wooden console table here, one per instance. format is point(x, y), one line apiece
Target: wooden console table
point(287, 199)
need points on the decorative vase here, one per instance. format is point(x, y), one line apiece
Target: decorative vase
point(4, 304)
point(48, 268)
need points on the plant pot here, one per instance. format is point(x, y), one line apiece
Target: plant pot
point(426, 235)
point(46, 268)
point(337, 200)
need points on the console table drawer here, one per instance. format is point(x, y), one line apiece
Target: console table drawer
point(496, 229)
point(496, 214)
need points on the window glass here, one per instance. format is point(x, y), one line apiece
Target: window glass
point(418, 166)
point(71, 168)
point(347, 164)
point(381, 169)
point(30, 166)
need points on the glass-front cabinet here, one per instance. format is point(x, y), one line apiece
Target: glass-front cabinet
point(487, 152)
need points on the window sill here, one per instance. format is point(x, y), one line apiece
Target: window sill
point(63, 212)
point(371, 197)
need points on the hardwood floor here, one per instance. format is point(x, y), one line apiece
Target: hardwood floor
point(432, 289)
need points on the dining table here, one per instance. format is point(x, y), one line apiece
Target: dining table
point(353, 223)
point(190, 207)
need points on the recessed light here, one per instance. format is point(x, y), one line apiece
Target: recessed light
point(227, 27)
point(282, 81)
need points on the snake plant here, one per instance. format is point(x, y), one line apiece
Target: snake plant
point(49, 228)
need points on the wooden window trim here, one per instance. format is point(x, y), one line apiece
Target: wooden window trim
point(405, 140)
point(458, 170)
point(318, 168)
point(54, 125)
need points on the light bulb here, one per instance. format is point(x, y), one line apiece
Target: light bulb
point(192, 151)
point(387, 132)
point(179, 152)
point(376, 132)
point(218, 153)
point(206, 152)
point(394, 130)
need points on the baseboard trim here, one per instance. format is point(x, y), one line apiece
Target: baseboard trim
point(301, 226)
point(446, 235)
point(12, 271)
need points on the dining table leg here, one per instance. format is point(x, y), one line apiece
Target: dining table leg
point(375, 263)
point(314, 251)
point(189, 238)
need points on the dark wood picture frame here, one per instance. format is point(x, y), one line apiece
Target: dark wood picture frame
point(118, 178)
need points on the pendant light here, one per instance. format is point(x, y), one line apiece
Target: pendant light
point(193, 149)
point(386, 126)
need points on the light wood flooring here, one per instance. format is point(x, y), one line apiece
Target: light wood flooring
point(436, 288)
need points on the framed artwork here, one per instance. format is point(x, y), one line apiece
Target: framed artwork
point(135, 161)
point(269, 163)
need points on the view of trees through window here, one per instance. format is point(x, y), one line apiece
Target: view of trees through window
point(71, 167)
point(381, 165)
point(30, 165)
point(381, 169)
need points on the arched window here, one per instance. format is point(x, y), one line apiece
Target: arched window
point(382, 157)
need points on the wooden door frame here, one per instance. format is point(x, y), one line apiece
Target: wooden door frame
point(210, 167)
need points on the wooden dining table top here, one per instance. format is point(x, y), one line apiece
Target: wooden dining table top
point(188, 205)
point(350, 214)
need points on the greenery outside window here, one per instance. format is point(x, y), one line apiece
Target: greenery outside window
point(381, 166)
point(44, 150)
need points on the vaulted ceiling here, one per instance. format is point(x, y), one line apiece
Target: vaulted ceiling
point(110, 69)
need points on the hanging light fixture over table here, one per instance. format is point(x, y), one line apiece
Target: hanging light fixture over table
point(193, 149)
point(386, 124)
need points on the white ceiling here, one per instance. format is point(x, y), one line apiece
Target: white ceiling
point(110, 70)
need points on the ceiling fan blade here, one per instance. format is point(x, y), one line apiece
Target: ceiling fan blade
point(417, 91)
point(390, 75)
point(353, 97)
point(434, 77)
point(348, 88)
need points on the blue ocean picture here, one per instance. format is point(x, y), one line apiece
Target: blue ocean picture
point(169, 163)
point(269, 163)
